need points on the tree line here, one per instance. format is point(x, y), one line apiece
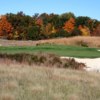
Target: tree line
point(45, 26)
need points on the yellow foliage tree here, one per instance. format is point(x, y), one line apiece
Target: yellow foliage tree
point(85, 30)
point(53, 30)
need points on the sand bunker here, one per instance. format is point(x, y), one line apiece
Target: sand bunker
point(92, 64)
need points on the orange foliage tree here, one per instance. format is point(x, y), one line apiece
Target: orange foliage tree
point(5, 26)
point(69, 25)
point(39, 22)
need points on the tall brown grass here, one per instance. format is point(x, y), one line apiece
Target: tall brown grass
point(78, 41)
point(88, 40)
point(41, 83)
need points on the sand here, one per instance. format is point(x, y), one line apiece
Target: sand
point(92, 64)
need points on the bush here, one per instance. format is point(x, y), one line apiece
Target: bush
point(71, 63)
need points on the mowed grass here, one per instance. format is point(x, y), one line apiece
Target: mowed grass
point(61, 50)
point(21, 82)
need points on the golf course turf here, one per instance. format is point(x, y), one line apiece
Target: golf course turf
point(61, 50)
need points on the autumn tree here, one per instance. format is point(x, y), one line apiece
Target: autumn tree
point(40, 26)
point(69, 25)
point(66, 16)
point(5, 27)
point(39, 22)
point(48, 28)
point(84, 21)
point(20, 23)
point(45, 17)
point(85, 30)
point(96, 31)
point(60, 33)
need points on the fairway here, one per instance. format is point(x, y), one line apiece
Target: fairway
point(61, 50)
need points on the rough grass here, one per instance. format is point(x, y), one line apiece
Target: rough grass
point(42, 59)
point(21, 82)
point(85, 41)
point(78, 40)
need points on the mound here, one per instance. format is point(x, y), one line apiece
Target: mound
point(42, 59)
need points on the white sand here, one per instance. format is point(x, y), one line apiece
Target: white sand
point(92, 64)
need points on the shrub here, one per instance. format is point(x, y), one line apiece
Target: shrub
point(71, 63)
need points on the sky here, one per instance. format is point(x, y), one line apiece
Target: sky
point(90, 8)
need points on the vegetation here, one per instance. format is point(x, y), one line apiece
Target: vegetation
point(62, 50)
point(21, 75)
point(21, 82)
point(42, 59)
point(93, 41)
point(44, 26)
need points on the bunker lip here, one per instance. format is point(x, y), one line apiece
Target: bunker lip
point(92, 64)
